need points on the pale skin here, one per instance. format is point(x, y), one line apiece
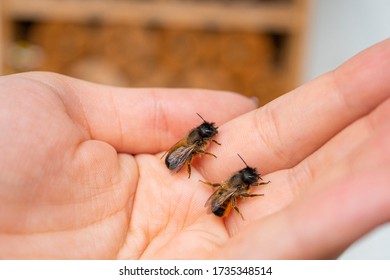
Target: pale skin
point(81, 174)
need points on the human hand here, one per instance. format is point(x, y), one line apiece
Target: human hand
point(325, 148)
point(79, 177)
point(81, 174)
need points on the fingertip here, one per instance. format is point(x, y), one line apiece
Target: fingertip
point(255, 100)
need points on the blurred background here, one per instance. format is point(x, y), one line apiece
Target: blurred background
point(260, 48)
point(254, 47)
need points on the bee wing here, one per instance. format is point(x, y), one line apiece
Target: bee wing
point(178, 143)
point(176, 159)
point(217, 199)
point(212, 197)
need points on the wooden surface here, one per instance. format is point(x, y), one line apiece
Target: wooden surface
point(188, 14)
point(254, 48)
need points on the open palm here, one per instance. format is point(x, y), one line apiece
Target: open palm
point(81, 174)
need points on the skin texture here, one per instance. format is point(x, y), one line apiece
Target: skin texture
point(81, 174)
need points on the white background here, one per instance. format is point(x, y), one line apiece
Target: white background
point(281, 270)
point(339, 29)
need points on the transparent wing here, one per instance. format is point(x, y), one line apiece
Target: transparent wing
point(178, 157)
point(218, 198)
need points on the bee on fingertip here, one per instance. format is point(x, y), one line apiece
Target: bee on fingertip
point(233, 189)
point(194, 143)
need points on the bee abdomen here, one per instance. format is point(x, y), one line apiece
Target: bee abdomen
point(170, 163)
point(223, 210)
point(220, 211)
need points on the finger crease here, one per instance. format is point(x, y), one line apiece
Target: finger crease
point(118, 119)
point(268, 131)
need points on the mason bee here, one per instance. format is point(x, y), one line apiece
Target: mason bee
point(236, 187)
point(194, 143)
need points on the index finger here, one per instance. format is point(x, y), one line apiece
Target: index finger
point(287, 130)
point(141, 120)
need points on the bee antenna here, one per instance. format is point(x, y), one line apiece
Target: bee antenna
point(242, 159)
point(201, 117)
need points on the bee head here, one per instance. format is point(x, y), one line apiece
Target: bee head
point(207, 130)
point(249, 175)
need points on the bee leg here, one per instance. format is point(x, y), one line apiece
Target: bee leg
point(216, 142)
point(236, 208)
point(189, 168)
point(207, 153)
point(251, 195)
point(211, 184)
point(261, 183)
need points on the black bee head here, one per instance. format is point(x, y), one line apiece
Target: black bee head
point(207, 130)
point(249, 175)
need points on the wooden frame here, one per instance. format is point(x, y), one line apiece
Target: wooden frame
point(286, 17)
